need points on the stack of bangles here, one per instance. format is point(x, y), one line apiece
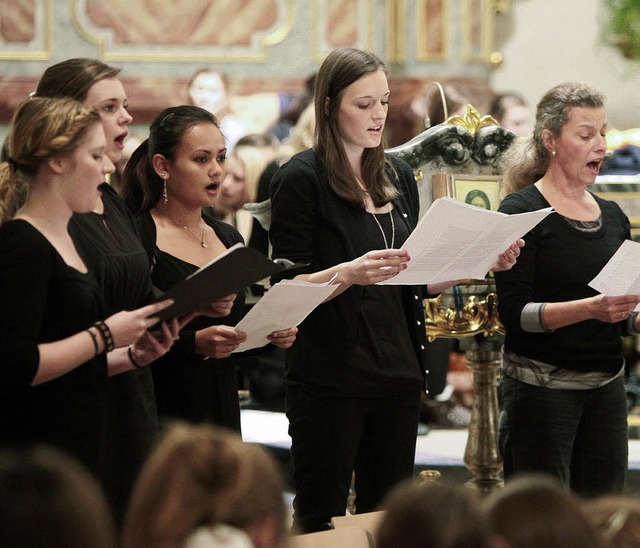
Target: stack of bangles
point(107, 338)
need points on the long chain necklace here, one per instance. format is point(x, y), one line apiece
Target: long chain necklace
point(393, 230)
point(201, 239)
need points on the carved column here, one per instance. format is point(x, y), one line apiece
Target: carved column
point(472, 317)
point(481, 455)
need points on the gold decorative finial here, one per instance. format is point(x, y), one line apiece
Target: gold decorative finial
point(471, 120)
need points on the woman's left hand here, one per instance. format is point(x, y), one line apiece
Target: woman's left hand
point(508, 258)
point(220, 308)
point(284, 338)
point(155, 344)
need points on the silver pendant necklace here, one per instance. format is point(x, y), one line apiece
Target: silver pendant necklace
point(393, 230)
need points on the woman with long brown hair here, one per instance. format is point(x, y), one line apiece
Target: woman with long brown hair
point(356, 372)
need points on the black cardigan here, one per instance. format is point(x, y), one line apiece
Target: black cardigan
point(311, 224)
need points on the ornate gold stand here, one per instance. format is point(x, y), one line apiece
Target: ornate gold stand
point(481, 455)
point(470, 312)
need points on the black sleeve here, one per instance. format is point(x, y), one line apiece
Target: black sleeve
point(25, 266)
point(515, 287)
point(293, 215)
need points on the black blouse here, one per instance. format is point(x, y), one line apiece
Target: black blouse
point(111, 249)
point(45, 300)
point(188, 386)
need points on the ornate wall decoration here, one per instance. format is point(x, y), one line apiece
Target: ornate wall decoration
point(432, 36)
point(396, 30)
point(341, 23)
point(478, 29)
point(183, 30)
point(25, 29)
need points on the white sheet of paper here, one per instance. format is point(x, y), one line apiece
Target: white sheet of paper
point(621, 275)
point(454, 241)
point(284, 305)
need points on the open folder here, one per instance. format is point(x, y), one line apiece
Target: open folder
point(229, 273)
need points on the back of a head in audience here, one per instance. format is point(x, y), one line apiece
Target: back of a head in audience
point(432, 514)
point(48, 499)
point(535, 510)
point(617, 517)
point(203, 484)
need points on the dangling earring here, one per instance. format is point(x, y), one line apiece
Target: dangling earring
point(164, 191)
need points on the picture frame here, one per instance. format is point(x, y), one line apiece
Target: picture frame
point(479, 190)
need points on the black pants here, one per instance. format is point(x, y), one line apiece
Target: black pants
point(578, 436)
point(332, 437)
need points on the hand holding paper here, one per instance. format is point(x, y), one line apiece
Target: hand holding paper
point(455, 241)
point(285, 305)
point(621, 275)
point(230, 272)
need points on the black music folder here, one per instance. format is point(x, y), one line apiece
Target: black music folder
point(229, 273)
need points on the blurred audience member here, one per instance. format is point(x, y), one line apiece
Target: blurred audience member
point(49, 499)
point(536, 510)
point(623, 161)
point(245, 164)
point(301, 138)
point(203, 484)
point(282, 128)
point(617, 517)
point(430, 107)
point(207, 89)
point(512, 112)
point(432, 514)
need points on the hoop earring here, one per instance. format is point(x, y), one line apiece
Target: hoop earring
point(165, 195)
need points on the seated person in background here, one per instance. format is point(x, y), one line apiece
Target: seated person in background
point(536, 510)
point(512, 112)
point(244, 165)
point(430, 109)
point(48, 499)
point(301, 138)
point(207, 89)
point(432, 514)
point(239, 115)
point(203, 484)
point(282, 128)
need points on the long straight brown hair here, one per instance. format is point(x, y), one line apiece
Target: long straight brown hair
point(341, 68)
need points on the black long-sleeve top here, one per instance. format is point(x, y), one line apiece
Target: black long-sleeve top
point(556, 265)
